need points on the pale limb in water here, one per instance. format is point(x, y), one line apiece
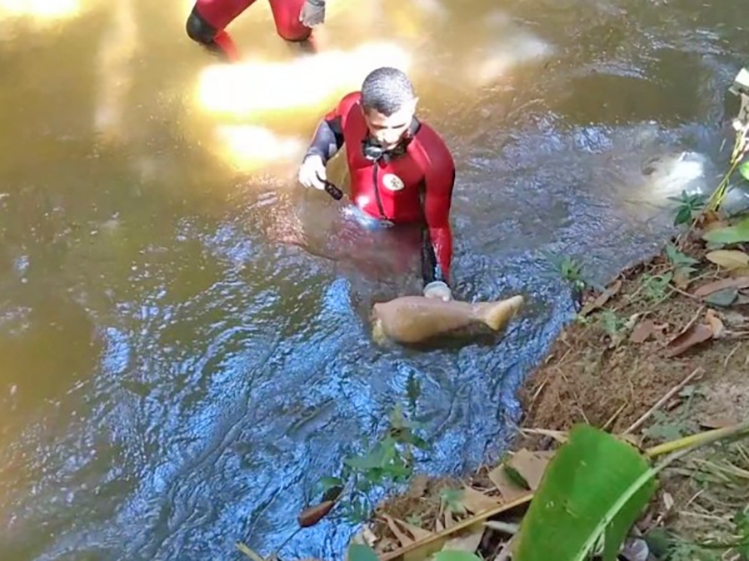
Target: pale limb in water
point(413, 319)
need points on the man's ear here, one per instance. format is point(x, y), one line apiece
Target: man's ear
point(414, 104)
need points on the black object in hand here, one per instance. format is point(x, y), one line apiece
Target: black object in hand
point(331, 189)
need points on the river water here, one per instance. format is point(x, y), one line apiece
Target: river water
point(183, 331)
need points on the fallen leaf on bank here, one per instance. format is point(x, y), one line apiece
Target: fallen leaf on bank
point(530, 465)
point(668, 501)
point(386, 544)
point(312, 515)
point(711, 287)
point(735, 320)
point(476, 501)
point(438, 525)
point(464, 541)
point(715, 323)
point(508, 488)
point(365, 537)
point(738, 233)
point(644, 331)
point(717, 423)
point(406, 533)
point(696, 334)
point(729, 258)
point(712, 221)
point(449, 520)
point(403, 538)
point(418, 486)
point(682, 279)
point(723, 298)
point(604, 297)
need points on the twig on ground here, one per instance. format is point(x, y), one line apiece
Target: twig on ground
point(672, 392)
point(728, 358)
point(613, 417)
point(685, 293)
point(557, 435)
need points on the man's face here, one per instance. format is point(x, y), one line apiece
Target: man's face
point(388, 131)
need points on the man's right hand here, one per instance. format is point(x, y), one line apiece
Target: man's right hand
point(313, 13)
point(312, 172)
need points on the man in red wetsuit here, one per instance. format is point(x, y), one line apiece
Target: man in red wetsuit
point(401, 170)
point(209, 18)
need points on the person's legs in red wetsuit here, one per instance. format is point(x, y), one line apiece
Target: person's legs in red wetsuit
point(207, 24)
point(286, 15)
point(209, 18)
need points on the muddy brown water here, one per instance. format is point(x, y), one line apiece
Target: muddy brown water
point(183, 331)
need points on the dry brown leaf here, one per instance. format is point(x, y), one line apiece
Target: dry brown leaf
point(506, 486)
point(403, 538)
point(696, 334)
point(734, 320)
point(668, 501)
point(418, 486)
point(682, 279)
point(643, 331)
point(604, 297)
point(449, 520)
point(708, 217)
point(713, 223)
point(717, 423)
point(476, 501)
point(365, 537)
point(530, 465)
point(386, 544)
point(711, 287)
point(715, 323)
point(312, 515)
point(729, 258)
point(465, 541)
point(438, 525)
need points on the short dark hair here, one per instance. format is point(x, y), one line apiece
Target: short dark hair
point(386, 90)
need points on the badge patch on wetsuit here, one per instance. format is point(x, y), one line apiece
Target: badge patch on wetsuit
point(392, 182)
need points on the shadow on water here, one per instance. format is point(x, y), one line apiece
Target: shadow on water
point(186, 341)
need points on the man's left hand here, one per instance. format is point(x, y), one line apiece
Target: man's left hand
point(439, 290)
point(313, 13)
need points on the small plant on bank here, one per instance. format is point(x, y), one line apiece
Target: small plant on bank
point(390, 461)
point(612, 323)
point(655, 288)
point(689, 207)
point(571, 271)
point(682, 263)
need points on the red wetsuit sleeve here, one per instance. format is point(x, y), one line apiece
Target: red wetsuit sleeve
point(328, 138)
point(439, 179)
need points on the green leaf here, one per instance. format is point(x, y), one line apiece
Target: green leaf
point(361, 552)
point(455, 555)
point(326, 483)
point(596, 483)
point(453, 500)
point(514, 476)
point(744, 170)
point(738, 233)
point(678, 258)
point(723, 298)
point(683, 216)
